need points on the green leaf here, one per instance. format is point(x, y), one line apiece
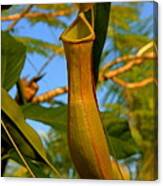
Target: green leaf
point(13, 111)
point(37, 167)
point(120, 140)
point(55, 117)
point(22, 144)
point(15, 146)
point(13, 56)
point(101, 11)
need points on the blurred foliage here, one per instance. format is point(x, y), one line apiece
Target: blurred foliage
point(57, 146)
point(129, 116)
point(126, 29)
point(40, 47)
point(50, 21)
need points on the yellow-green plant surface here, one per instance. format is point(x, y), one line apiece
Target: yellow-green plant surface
point(86, 136)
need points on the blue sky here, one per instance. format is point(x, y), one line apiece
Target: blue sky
point(56, 71)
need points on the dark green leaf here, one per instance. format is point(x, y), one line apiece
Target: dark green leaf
point(13, 111)
point(13, 56)
point(101, 11)
point(21, 142)
point(120, 140)
point(122, 149)
point(36, 167)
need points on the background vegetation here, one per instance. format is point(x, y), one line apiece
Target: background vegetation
point(126, 89)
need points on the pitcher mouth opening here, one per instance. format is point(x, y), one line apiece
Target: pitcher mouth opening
point(80, 31)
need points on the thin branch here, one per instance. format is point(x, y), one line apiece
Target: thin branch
point(17, 150)
point(139, 54)
point(106, 76)
point(145, 48)
point(116, 61)
point(45, 64)
point(32, 65)
point(124, 68)
point(133, 60)
point(49, 95)
point(22, 14)
point(37, 14)
point(135, 84)
point(149, 55)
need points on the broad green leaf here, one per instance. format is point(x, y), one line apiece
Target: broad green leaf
point(53, 116)
point(119, 135)
point(15, 146)
point(120, 140)
point(23, 145)
point(13, 56)
point(13, 111)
